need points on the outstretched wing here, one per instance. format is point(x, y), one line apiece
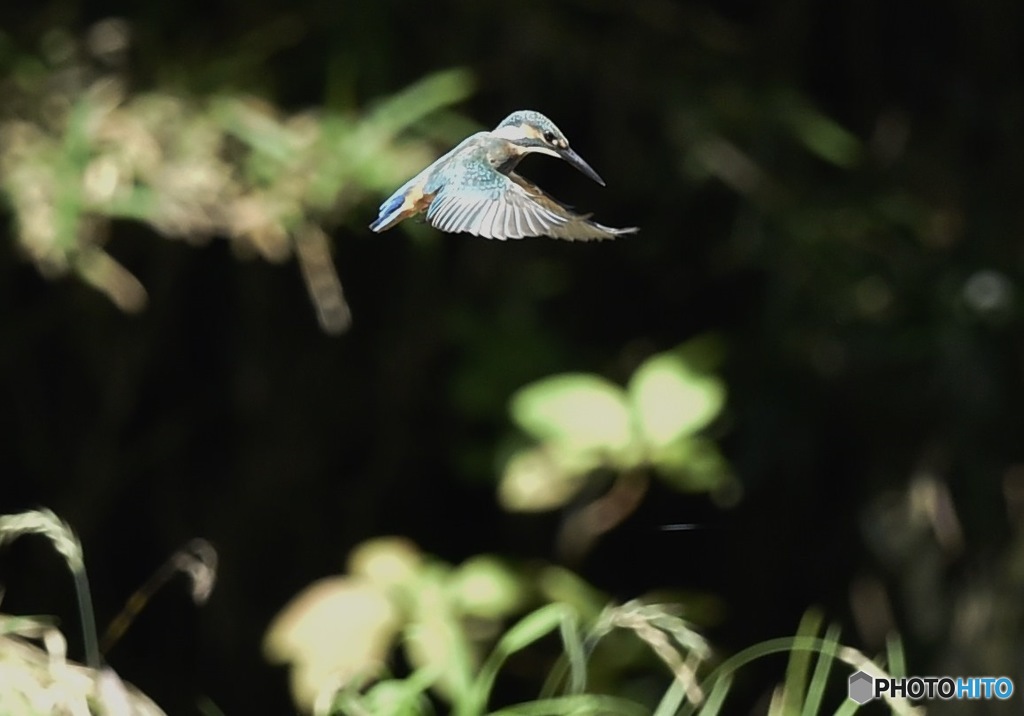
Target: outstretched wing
point(477, 199)
point(577, 227)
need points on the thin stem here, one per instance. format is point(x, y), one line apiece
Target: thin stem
point(88, 618)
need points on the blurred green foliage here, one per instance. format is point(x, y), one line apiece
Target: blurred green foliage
point(81, 149)
point(453, 624)
point(583, 424)
point(36, 676)
point(457, 634)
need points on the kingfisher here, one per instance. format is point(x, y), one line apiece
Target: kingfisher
point(474, 188)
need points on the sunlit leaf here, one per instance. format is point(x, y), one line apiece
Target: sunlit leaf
point(484, 586)
point(671, 401)
point(336, 630)
point(386, 561)
point(578, 411)
point(435, 641)
point(692, 464)
point(534, 481)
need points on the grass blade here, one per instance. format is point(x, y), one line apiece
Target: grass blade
point(526, 631)
point(574, 653)
point(897, 659)
point(47, 524)
point(795, 683)
point(717, 697)
point(819, 680)
point(672, 700)
point(581, 704)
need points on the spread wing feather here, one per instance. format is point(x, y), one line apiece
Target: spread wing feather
point(484, 202)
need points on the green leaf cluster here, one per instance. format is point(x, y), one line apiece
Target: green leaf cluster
point(582, 422)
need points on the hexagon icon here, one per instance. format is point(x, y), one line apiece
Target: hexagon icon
point(861, 687)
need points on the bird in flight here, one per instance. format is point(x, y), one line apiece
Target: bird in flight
point(474, 188)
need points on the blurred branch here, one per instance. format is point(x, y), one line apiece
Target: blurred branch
point(197, 560)
point(583, 527)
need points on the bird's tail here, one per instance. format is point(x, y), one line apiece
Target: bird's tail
point(390, 213)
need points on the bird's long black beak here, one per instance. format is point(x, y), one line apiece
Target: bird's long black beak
point(577, 161)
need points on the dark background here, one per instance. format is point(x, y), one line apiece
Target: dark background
point(832, 188)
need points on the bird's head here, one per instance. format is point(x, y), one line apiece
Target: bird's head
point(531, 131)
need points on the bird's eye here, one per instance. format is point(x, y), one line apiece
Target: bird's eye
point(549, 137)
